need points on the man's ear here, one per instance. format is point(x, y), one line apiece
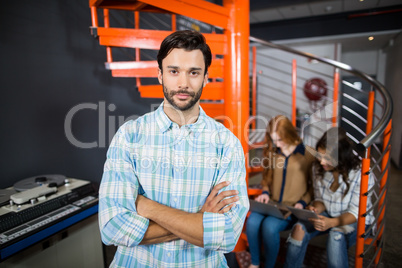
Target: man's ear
point(205, 80)
point(160, 76)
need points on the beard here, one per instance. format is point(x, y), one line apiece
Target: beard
point(195, 96)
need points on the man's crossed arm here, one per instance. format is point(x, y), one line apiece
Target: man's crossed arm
point(167, 224)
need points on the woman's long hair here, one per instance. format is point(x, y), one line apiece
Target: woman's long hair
point(339, 148)
point(286, 131)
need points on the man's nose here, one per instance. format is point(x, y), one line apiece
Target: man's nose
point(183, 80)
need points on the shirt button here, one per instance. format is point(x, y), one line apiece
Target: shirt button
point(168, 254)
point(175, 200)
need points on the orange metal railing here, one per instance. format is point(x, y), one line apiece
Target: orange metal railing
point(335, 97)
point(383, 189)
point(254, 87)
point(294, 87)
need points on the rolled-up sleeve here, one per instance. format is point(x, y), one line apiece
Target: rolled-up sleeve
point(119, 222)
point(353, 207)
point(318, 188)
point(222, 231)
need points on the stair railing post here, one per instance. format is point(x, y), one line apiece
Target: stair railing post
point(294, 88)
point(361, 220)
point(384, 164)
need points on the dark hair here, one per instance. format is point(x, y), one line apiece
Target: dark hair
point(285, 130)
point(338, 147)
point(188, 40)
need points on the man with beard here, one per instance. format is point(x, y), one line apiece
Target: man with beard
point(173, 191)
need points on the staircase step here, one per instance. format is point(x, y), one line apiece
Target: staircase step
point(200, 10)
point(150, 68)
point(212, 91)
point(150, 39)
point(132, 5)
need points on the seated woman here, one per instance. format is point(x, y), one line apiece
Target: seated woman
point(336, 181)
point(286, 179)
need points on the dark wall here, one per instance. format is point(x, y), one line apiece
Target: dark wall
point(50, 66)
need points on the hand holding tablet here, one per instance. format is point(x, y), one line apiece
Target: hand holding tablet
point(303, 214)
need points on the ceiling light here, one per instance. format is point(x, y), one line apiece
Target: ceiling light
point(328, 8)
point(371, 38)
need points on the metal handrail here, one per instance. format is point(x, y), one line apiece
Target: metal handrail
point(367, 141)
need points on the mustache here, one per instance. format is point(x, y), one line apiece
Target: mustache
point(174, 92)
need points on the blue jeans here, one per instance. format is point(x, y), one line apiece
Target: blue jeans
point(266, 228)
point(338, 243)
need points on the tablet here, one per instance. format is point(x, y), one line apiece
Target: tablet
point(270, 208)
point(303, 214)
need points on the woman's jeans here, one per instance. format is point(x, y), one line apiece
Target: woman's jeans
point(339, 240)
point(266, 228)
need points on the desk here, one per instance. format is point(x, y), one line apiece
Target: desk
point(76, 246)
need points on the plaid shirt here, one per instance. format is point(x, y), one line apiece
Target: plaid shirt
point(335, 203)
point(177, 167)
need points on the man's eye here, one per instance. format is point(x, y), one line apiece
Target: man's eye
point(194, 73)
point(173, 71)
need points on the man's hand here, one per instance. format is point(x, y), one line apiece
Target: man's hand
point(216, 203)
point(171, 224)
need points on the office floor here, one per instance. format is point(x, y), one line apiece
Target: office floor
point(393, 234)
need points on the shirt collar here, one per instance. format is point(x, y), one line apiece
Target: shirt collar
point(165, 123)
point(300, 148)
point(162, 119)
